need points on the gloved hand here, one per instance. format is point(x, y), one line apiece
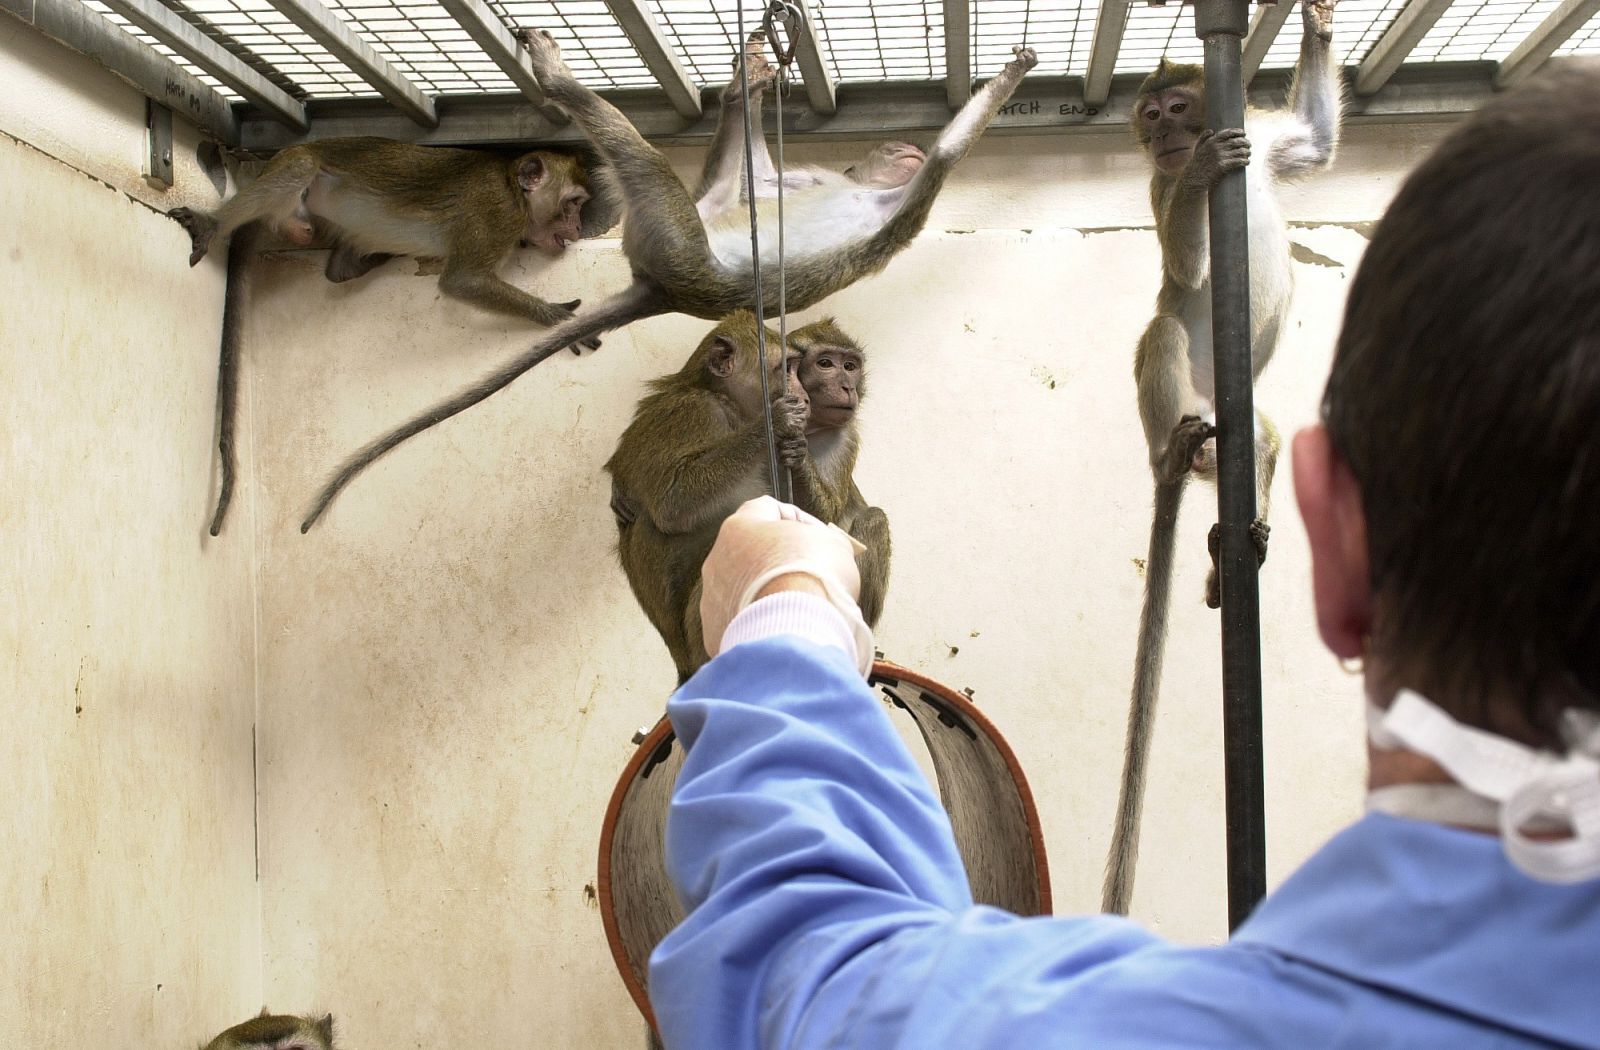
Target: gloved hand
point(765, 540)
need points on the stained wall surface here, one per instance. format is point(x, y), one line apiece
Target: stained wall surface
point(452, 665)
point(127, 680)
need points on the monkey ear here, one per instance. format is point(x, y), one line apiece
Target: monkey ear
point(603, 209)
point(719, 362)
point(325, 1028)
point(531, 172)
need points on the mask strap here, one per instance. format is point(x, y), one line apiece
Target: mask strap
point(1535, 790)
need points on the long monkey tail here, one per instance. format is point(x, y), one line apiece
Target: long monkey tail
point(1124, 855)
point(632, 304)
point(240, 248)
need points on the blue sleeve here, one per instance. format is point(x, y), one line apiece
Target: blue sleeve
point(824, 889)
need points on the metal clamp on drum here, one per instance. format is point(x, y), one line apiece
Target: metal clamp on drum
point(980, 783)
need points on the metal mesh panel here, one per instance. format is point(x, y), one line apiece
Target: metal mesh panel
point(591, 41)
point(1061, 33)
point(146, 38)
point(1357, 25)
point(882, 39)
point(1477, 29)
point(424, 44)
point(1586, 41)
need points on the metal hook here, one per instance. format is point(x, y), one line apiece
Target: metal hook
point(787, 15)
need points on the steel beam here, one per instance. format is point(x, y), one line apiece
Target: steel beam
point(212, 57)
point(957, 52)
point(75, 27)
point(496, 41)
point(327, 29)
point(1540, 44)
point(1403, 35)
point(916, 111)
point(811, 54)
point(1264, 29)
point(1108, 29)
point(659, 57)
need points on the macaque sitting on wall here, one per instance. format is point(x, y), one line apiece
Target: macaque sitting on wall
point(371, 199)
point(697, 449)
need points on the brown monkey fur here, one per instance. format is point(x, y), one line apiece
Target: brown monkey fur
point(833, 372)
point(370, 199)
point(277, 1032)
point(696, 450)
point(1173, 363)
point(692, 254)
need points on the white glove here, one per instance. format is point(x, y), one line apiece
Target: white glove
point(764, 540)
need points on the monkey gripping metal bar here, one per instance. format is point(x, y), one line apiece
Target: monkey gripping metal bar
point(1221, 26)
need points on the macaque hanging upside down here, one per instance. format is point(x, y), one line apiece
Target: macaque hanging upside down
point(692, 253)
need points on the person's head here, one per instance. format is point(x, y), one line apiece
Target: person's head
point(1453, 496)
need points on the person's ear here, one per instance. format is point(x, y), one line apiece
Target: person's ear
point(1336, 526)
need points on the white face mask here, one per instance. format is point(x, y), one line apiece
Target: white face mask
point(1503, 785)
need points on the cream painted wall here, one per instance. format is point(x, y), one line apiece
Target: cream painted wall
point(452, 665)
point(127, 829)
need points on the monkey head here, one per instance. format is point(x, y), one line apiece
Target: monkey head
point(277, 1032)
point(887, 166)
point(555, 190)
point(1170, 114)
point(832, 370)
point(727, 357)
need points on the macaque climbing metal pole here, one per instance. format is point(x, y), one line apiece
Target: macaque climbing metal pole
point(1221, 25)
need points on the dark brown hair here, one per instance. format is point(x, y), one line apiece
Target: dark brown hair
point(1465, 396)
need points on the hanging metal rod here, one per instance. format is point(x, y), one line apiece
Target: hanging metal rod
point(1221, 25)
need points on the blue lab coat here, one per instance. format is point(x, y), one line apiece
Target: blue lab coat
point(828, 908)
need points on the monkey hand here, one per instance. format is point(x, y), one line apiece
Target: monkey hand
point(768, 546)
point(1216, 153)
point(791, 414)
point(1318, 17)
point(1025, 59)
point(758, 71)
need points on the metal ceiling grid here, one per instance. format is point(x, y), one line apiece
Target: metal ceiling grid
point(1357, 25)
point(424, 43)
point(1060, 33)
point(592, 42)
point(1586, 41)
point(163, 50)
point(1470, 30)
point(881, 39)
point(1154, 32)
point(704, 33)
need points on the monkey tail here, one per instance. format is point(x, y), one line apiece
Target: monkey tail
point(633, 304)
point(1118, 888)
point(241, 246)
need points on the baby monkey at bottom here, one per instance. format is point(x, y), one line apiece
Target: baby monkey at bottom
point(697, 449)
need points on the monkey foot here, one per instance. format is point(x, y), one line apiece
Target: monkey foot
point(200, 229)
point(1259, 533)
point(758, 71)
point(1183, 448)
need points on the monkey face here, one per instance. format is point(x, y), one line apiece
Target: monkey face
point(832, 377)
point(889, 165)
point(555, 198)
point(1170, 122)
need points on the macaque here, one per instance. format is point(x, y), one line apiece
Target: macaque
point(1173, 365)
point(277, 1032)
point(832, 371)
point(692, 254)
point(371, 199)
point(695, 451)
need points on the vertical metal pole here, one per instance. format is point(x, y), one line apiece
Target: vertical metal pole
point(1221, 25)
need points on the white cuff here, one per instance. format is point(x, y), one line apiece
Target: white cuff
point(805, 616)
